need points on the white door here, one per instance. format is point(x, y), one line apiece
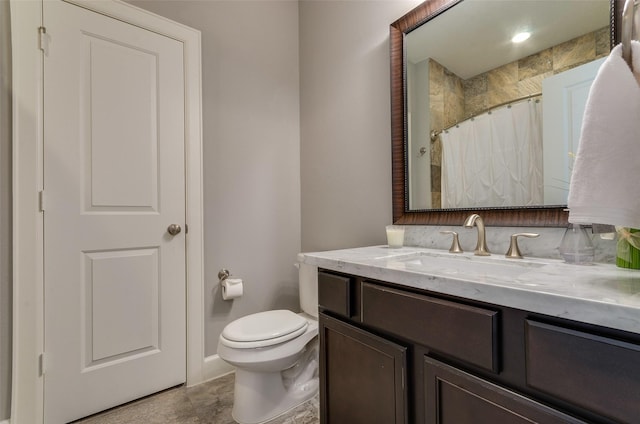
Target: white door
point(114, 180)
point(564, 97)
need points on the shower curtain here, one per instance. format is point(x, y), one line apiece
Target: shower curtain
point(494, 159)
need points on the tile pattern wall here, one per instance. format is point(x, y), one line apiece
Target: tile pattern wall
point(453, 99)
point(524, 77)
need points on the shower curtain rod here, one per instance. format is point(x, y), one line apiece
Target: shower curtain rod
point(434, 133)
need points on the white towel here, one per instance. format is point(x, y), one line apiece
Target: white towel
point(605, 182)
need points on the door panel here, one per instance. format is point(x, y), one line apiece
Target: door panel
point(125, 281)
point(564, 97)
point(120, 132)
point(114, 181)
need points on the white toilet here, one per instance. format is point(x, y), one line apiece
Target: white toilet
point(276, 356)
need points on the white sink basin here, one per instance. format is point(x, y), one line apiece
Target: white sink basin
point(463, 264)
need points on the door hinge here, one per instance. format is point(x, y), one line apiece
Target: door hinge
point(41, 200)
point(42, 365)
point(43, 41)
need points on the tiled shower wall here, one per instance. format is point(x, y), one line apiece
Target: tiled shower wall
point(453, 99)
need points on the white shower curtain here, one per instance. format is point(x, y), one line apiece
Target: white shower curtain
point(494, 159)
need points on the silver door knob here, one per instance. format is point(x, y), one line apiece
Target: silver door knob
point(174, 229)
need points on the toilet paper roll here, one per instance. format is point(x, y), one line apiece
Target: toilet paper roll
point(231, 288)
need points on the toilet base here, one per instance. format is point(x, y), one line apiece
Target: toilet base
point(260, 397)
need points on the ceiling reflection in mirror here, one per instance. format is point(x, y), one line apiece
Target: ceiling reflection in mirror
point(491, 122)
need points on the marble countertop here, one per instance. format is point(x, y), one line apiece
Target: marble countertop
point(600, 294)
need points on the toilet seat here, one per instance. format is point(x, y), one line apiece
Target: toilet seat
point(263, 329)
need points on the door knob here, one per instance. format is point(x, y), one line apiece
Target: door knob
point(174, 229)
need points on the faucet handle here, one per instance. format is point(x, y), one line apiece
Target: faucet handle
point(514, 251)
point(455, 244)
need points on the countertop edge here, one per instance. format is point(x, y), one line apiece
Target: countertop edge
point(576, 304)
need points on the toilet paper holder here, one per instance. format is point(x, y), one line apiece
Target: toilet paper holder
point(223, 274)
point(231, 288)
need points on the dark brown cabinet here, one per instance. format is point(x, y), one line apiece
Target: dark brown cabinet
point(453, 396)
point(466, 332)
point(390, 354)
point(362, 376)
point(598, 373)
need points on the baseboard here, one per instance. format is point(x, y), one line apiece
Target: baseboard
point(214, 367)
point(5, 422)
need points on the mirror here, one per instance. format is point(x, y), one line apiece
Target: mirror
point(440, 79)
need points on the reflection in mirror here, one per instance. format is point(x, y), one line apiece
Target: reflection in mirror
point(494, 123)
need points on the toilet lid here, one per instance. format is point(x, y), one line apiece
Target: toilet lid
point(265, 326)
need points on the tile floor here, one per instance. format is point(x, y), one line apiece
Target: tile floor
point(207, 403)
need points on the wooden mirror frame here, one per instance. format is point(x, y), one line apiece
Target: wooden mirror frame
point(543, 216)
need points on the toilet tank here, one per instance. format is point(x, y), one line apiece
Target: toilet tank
point(308, 282)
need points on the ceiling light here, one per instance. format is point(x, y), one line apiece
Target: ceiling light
point(520, 37)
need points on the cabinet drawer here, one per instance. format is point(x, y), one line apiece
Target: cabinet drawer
point(597, 373)
point(334, 293)
point(464, 332)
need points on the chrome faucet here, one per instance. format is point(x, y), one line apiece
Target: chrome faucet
point(481, 246)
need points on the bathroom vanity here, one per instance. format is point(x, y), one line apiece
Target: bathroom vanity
point(417, 335)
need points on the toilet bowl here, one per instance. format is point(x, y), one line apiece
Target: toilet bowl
point(276, 356)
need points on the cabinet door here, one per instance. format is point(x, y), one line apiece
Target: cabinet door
point(362, 376)
point(456, 397)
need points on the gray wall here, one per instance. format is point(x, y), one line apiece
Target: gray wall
point(345, 121)
point(419, 164)
point(297, 150)
point(5, 212)
point(251, 157)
